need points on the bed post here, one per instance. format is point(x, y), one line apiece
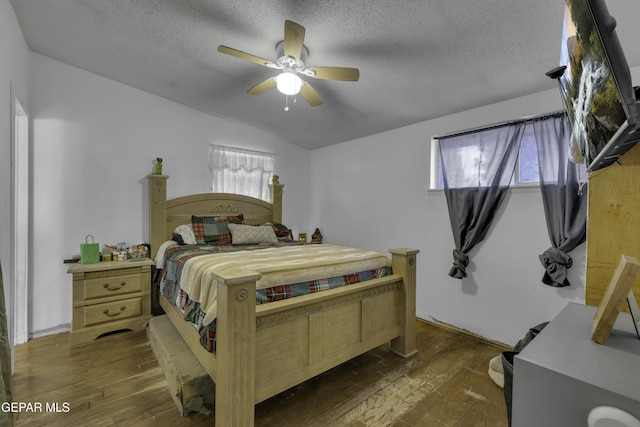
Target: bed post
point(157, 211)
point(403, 262)
point(277, 199)
point(236, 349)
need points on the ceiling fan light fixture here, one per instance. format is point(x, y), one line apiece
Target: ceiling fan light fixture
point(292, 54)
point(288, 83)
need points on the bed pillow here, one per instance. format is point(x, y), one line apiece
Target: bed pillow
point(214, 229)
point(252, 234)
point(183, 235)
point(282, 231)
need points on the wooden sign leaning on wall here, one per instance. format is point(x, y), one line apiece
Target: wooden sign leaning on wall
point(619, 288)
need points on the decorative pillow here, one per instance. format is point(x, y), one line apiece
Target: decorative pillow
point(214, 229)
point(246, 234)
point(183, 235)
point(281, 230)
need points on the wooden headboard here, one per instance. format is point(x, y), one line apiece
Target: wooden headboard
point(165, 215)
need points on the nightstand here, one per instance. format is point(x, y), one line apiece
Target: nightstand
point(110, 296)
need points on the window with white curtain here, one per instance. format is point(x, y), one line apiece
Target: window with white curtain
point(240, 171)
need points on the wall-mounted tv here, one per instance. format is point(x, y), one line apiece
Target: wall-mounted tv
point(596, 86)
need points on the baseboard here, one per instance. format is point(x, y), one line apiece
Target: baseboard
point(441, 324)
point(65, 327)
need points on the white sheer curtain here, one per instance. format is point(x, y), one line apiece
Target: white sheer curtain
point(239, 171)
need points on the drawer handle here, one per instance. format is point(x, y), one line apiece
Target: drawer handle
point(106, 286)
point(122, 308)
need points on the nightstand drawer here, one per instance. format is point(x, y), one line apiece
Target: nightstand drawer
point(110, 286)
point(108, 312)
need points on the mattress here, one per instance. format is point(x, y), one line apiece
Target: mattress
point(288, 270)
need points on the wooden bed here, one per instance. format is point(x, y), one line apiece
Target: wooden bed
point(263, 350)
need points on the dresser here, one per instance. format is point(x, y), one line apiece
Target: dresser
point(110, 296)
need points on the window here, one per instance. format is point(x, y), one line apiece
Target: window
point(239, 171)
point(527, 171)
point(526, 174)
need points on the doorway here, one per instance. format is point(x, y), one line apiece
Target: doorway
point(20, 219)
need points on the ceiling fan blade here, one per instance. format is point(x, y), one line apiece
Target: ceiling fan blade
point(335, 73)
point(262, 86)
point(246, 56)
point(310, 95)
point(293, 39)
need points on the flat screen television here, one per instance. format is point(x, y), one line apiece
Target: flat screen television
point(596, 86)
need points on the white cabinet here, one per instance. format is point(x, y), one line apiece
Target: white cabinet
point(562, 374)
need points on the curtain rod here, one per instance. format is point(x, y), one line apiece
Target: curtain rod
point(242, 150)
point(500, 124)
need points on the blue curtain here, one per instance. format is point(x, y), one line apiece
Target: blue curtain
point(477, 170)
point(565, 202)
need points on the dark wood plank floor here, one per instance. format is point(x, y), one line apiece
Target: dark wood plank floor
point(115, 381)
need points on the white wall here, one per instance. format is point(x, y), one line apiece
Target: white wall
point(13, 78)
point(373, 192)
point(94, 143)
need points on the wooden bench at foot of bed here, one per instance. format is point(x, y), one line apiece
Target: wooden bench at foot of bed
point(265, 349)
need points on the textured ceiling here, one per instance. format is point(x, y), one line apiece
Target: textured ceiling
point(418, 59)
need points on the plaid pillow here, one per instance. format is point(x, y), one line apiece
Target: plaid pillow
point(214, 229)
point(281, 230)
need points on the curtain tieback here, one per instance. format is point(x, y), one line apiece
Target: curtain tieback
point(556, 262)
point(460, 263)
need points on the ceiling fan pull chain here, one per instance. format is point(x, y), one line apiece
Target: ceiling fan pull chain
point(286, 103)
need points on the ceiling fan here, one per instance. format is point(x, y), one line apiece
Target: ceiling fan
point(292, 54)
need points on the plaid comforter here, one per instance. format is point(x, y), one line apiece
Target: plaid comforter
point(177, 256)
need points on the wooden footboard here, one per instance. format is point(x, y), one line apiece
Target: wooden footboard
point(263, 350)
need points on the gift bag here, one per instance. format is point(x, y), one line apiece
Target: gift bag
point(89, 252)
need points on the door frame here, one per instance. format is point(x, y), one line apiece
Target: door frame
point(20, 221)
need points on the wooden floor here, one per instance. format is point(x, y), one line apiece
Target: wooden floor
point(115, 381)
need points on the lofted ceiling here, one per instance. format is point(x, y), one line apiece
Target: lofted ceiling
point(418, 60)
